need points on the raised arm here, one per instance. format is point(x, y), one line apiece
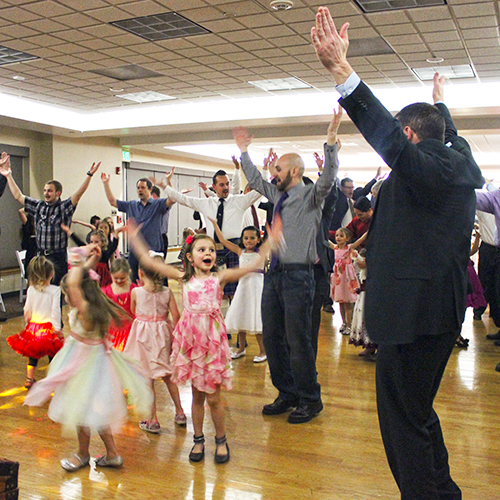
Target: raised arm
point(141, 251)
point(230, 246)
point(235, 184)
point(6, 172)
point(107, 189)
point(76, 196)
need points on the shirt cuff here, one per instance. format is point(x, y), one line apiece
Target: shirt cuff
point(347, 88)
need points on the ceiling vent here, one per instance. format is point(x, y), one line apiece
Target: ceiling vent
point(11, 56)
point(141, 97)
point(369, 6)
point(130, 72)
point(450, 72)
point(280, 84)
point(161, 26)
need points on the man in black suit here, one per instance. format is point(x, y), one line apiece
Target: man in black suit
point(417, 254)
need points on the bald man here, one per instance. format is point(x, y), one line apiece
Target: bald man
point(287, 298)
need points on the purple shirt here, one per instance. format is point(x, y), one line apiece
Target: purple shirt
point(489, 202)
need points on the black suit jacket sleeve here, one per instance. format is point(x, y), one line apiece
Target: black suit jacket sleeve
point(363, 191)
point(3, 183)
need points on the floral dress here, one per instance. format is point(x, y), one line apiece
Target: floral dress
point(343, 281)
point(200, 350)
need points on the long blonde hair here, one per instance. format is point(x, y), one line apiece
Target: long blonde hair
point(39, 271)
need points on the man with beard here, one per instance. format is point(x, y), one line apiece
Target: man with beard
point(287, 298)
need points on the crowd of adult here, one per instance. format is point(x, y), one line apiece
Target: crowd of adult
point(415, 304)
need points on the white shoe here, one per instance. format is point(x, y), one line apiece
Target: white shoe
point(236, 355)
point(259, 359)
point(342, 328)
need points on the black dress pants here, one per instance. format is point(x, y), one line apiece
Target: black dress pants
point(408, 378)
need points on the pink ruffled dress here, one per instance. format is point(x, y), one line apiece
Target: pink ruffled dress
point(200, 350)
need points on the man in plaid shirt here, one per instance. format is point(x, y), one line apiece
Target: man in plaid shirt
point(49, 214)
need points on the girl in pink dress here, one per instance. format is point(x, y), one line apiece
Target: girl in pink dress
point(344, 281)
point(119, 291)
point(150, 338)
point(200, 350)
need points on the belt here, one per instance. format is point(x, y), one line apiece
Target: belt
point(293, 267)
point(51, 252)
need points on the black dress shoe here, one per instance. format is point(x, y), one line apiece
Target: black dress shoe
point(493, 336)
point(305, 412)
point(497, 368)
point(497, 342)
point(3, 319)
point(278, 407)
point(477, 317)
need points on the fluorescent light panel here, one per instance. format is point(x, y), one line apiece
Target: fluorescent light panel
point(450, 72)
point(281, 84)
point(146, 97)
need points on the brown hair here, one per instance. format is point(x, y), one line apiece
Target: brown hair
point(189, 269)
point(39, 271)
point(154, 276)
point(101, 309)
point(347, 233)
point(120, 266)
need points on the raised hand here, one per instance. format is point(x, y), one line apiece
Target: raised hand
point(333, 127)
point(331, 46)
point(168, 177)
point(242, 138)
point(203, 186)
point(93, 169)
point(5, 164)
point(236, 162)
point(105, 177)
point(319, 161)
point(438, 88)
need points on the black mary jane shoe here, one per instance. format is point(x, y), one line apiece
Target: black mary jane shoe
point(221, 459)
point(197, 457)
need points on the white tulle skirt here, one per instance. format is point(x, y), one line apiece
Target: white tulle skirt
point(88, 381)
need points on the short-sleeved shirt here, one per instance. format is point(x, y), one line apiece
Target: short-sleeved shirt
point(48, 218)
point(150, 216)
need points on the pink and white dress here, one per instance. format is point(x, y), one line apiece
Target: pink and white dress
point(200, 350)
point(88, 378)
point(343, 281)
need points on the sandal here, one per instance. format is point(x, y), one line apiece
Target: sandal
point(221, 459)
point(66, 463)
point(197, 457)
point(147, 426)
point(104, 461)
point(181, 420)
point(29, 382)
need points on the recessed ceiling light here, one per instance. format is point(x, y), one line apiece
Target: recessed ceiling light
point(146, 97)
point(281, 4)
point(113, 89)
point(280, 84)
point(450, 72)
point(19, 78)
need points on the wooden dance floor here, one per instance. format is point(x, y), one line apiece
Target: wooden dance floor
point(337, 456)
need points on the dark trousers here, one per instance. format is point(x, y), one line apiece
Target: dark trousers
point(321, 292)
point(489, 275)
point(286, 328)
point(408, 378)
point(60, 262)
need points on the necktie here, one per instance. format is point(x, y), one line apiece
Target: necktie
point(277, 212)
point(220, 217)
point(255, 218)
point(351, 207)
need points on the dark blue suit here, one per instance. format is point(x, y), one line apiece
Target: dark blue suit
point(417, 255)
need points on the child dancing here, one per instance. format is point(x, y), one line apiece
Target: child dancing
point(200, 351)
point(244, 314)
point(150, 338)
point(119, 292)
point(42, 312)
point(88, 376)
